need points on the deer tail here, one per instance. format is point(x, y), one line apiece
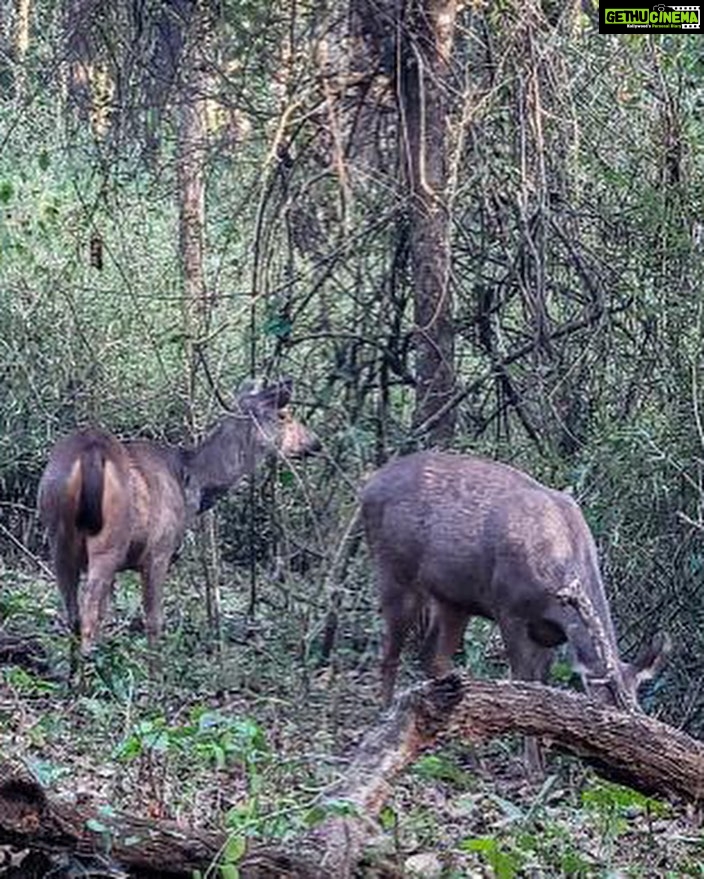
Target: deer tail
point(89, 513)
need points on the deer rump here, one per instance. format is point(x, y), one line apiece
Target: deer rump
point(110, 506)
point(454, 536)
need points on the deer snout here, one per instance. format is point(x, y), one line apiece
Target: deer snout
point(314, 445)
point(297, 441)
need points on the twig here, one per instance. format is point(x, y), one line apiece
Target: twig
point(28, 552)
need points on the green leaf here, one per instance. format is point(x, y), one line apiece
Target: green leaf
point(435, 767)
point(219, 755)
point(229, 871)
point(44, 160)
point(240, 816)
point(504, 864)
point(6, 191)
point(338, 808)
point(47, 772)
point(128, 749)
point(278, 326)
point(286, 478)
point(235, 849)
point(315, 815)
point(388, 818)
point(96, 826)
point(510, 810)
point(482, 844)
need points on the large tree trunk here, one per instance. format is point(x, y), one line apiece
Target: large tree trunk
point(631, 748)
point(192, 141)
point(79, 22)
point(425, 34)
point(192, 138)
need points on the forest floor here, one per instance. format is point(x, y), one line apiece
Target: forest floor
point(246, 737)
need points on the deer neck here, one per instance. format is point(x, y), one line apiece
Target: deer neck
point(231, 451)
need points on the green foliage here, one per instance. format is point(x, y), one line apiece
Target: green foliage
point(510, 852)
point(437, 767)
point(613, 806)
point(209, 737)
point(24, 600)
point(27, 684)
point(578, 323)
point(545, 839)
point(504, 862)
point(48, 773)
point(328, 808)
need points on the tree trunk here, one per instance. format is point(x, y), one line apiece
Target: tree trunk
point(631, 748)
point(79, 21)
point(191, 130)
point(426, 34)
point(191, 146)
point(22, 15)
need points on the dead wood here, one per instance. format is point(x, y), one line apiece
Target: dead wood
point(30, 819)
point(633, 748)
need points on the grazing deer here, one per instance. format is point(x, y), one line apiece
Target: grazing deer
point(111, 506)
point(462, 536)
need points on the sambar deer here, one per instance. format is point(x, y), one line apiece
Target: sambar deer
point(111, 506)
point(464, 536)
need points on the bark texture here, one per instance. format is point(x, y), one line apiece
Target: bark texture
point(29, 818)
point(425, 46)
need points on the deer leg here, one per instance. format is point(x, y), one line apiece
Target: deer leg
point(399, 607)
point(67, 576)
point(153, 576)
point(106, 597)
point(428, 632)
point(449, 624)
point(94, 598)
point(529, 661)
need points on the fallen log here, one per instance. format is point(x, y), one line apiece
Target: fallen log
point(635, 749)
point(30, 819)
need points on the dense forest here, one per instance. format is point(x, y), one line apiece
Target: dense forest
point(475, 227)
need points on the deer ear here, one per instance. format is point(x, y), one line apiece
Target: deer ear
point(246, 397)
point(248, 387)
point(652, 657)
point(277, 394)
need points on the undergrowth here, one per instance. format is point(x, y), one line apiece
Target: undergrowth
point(246, 736)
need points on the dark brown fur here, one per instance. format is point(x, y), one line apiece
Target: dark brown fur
point(464, 536)
point(110, 506)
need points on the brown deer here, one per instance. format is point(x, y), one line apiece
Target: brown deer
point(464, 536)
point(111, 506)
